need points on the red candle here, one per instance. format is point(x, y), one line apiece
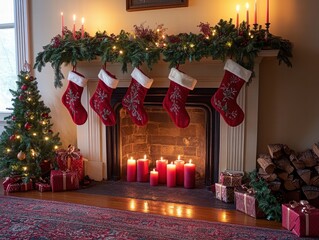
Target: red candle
point(131, 170)
point(267, 14)
point(247, 13)
point(82, 28)
point(62, 24)
point(161, 167)
point(171, 175)
point(255, 12)
point(74, 18)
point(179, 171)
point(154, 178)
point(142, 170)
point(189, 175)
point(237, 21)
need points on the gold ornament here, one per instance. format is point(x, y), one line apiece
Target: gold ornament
point(21, 155)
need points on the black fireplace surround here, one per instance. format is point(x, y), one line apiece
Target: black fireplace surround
point(199, 97)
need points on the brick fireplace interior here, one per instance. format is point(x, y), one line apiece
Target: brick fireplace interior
point(162, 138)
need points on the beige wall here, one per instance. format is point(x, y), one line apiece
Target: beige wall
point(288, 96)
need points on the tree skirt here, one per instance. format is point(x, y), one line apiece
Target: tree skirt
point(23, 218)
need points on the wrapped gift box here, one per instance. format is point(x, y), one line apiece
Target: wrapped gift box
point(72, 160)
point(64, 180)
point(9, 180)
point(300, 219)
point(13, 187)
point(25, 187)
point(230, 179)
point(224, 193)
point(43, 187)
point(247, 203)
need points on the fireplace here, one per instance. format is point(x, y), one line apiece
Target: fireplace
point(161, 138)
point(234, 148)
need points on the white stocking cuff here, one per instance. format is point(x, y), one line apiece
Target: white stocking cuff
point(77, 79)
point(107, 79)
point(141, 78)
point(182, 79)
point(238, 70)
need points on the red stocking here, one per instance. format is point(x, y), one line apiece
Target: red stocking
point(72, 97)
point(133, 100)
point(100, 101)
point(224, 100)
point(175, 99)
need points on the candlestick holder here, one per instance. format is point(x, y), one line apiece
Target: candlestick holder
point(255, 26)
point(267, 26)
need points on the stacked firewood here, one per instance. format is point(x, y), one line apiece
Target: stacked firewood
point(284, 169)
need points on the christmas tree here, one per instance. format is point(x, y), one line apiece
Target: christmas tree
point(27, 141)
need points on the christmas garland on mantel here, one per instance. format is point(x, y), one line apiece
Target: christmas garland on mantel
point(148, 46)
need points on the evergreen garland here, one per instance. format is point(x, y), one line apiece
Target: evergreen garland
point(266, 200)
point(147, 46)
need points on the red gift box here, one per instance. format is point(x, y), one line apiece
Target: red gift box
point(247, 203)
point(43, 187)
point(64, 180)
point(9, 180)
point(302, 220)
point(26, 186)
point(72, 160)
point(230, 179)
point(224, 193)
point(13, 187)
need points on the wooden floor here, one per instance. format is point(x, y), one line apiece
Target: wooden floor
point(147, 206)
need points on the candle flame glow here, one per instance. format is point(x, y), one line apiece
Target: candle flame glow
point(61, 13)
point(247, 5)
point(131, 158)
point(179, 157)
point(237, 8)
point(145, 156)
point(74, 17)
point(161, 158)
point(82, 20)
point(190, 160)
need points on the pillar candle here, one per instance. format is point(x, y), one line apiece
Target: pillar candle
point(62, 25)
point(131, 170)
point(171, 175)
point(154, 178)
point(74, 18)
point(142, 170)
point(179, 171)
point(82, 28)
point(161, 167)
point(189, 175)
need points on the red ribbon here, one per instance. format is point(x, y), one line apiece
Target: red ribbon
point(70, 153)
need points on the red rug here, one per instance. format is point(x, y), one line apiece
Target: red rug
point(23, 218)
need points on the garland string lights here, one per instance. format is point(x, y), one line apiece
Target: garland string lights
point(148, 46)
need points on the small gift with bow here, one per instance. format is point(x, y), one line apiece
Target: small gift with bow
point(246, 202)
point(224, 193)
point(301, 218)
point(230, 179)
point(26, 185)
point(64, 180)
point(71, 160)
point(11, 183)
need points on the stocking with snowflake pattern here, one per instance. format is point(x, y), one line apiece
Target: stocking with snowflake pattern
point(133, 100)
point(72, 97)
point(100, 101)
point(175, 99)
point(225, 99)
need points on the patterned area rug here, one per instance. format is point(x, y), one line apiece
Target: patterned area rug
point(23, 218)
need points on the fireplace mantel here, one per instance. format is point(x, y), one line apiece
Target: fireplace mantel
point(238, 145)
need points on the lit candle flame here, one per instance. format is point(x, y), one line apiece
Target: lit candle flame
point(161, 158)
point(179, 157)
point(247, 5)
point(190, 160)
point(237, 8)
point(145, 156)
point(82, 20)
point(74, 18)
